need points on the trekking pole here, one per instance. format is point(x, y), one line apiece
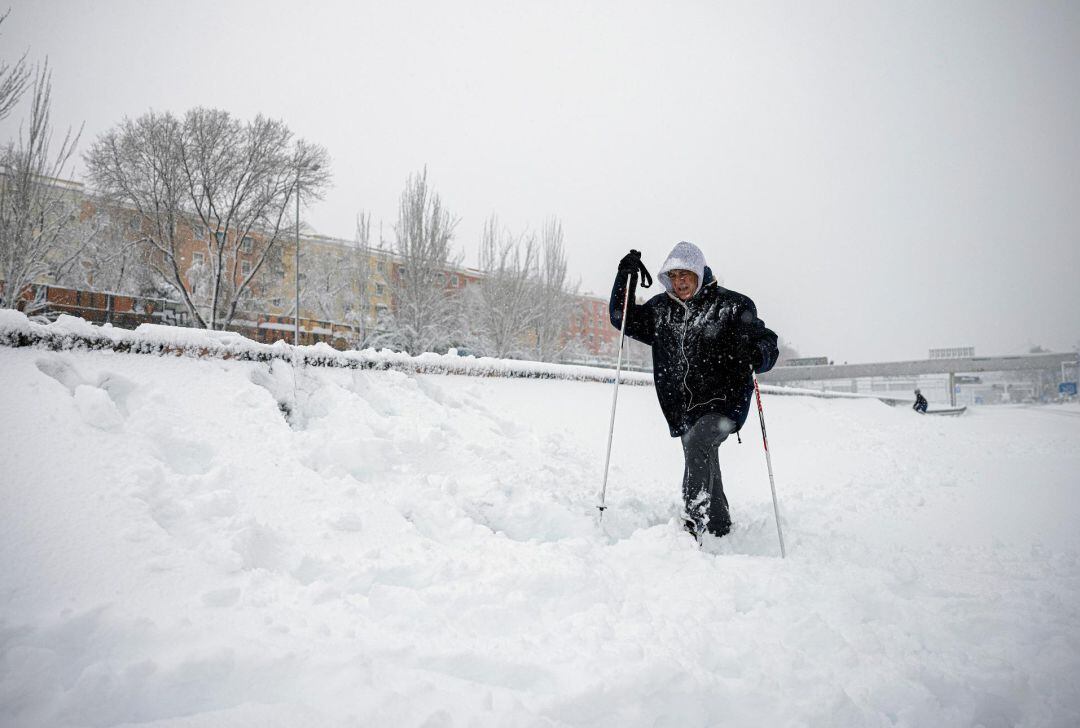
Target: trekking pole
point(646, 281)
point(614, 398)
point(768, 461)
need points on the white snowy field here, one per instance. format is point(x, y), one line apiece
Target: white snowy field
point(421, 550)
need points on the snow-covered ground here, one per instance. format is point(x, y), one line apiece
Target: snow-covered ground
point(421, 550)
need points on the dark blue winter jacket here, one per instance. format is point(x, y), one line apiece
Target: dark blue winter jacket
point(702, 349)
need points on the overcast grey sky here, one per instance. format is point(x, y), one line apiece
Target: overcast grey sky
point(880, 177)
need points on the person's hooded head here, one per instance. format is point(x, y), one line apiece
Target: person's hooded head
point(683, 273)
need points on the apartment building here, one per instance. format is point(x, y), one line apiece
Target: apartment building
point(270, 301)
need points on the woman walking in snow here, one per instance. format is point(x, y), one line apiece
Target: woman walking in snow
point(704, 339)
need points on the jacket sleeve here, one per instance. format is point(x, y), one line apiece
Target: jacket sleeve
point(639, 323)
point(760, 341)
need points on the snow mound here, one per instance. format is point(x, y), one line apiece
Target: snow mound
point(210, 542)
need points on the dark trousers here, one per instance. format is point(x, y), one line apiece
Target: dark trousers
point(703, 490)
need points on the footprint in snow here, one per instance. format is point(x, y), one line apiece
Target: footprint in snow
point(102, 402)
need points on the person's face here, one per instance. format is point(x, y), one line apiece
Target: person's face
point(683, 283)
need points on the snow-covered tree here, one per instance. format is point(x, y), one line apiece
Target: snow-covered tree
point(368, 330)
point(324, 281)
point(554, 295)
point(425, 312)
point(14, 81)
point(501, 312)
point(226, 186)
point(100, 255)
point(36, 209)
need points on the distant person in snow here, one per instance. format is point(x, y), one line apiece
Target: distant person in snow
point(704, 341)
point(920, 403)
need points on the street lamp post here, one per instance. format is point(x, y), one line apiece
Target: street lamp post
point(296, 314)
point(296, 317)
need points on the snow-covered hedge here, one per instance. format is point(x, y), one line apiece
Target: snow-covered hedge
point(70, 332)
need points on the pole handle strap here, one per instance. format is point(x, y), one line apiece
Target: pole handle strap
point(646, 279)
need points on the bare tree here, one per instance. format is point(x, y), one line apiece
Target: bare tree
point(136, 168)
point(212, 184)
point(358, 297)
point(424, 310)
point(555, 295)
point(500, 313)
point(100, 255)
point(36, 208)
point(14, 81)
point(325, 281)
point(369, 330)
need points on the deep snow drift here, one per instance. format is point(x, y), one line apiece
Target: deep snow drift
point(213, 543)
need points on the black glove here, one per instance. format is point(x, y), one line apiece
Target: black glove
point(750, 353)
point(631, 265)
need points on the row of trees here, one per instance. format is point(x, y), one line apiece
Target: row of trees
point(227, 193)
point(521, 308)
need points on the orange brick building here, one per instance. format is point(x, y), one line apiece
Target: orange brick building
point(271, 317)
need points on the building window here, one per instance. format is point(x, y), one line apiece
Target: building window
point(135, 222)
point(401, 271)
point(380, 266)
point(198, 232)
point(440, 278)
point(220, 237)
point(197, 259)
point(247, 244)
point(245, 268)
point(455, 281)
point(380, 289)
